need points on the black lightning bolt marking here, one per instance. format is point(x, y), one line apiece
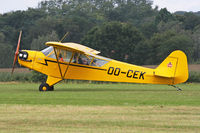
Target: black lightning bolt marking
point(77, 65)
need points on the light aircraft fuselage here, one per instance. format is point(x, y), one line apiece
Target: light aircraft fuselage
point(74, 61)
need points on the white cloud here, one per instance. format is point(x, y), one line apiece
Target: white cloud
point(171, 5)
point(178, 5)
point(13, 5)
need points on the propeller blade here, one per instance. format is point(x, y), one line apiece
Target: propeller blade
point(16, 52)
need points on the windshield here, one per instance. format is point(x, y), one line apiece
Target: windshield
point(47, 50)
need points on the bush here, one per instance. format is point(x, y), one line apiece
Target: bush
point(22, 77)
point(194, 77)
point(38, 77)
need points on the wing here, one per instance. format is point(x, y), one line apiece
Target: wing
point(74, 47)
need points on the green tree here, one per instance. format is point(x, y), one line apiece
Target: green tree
point(39, 43)
point(164, 15)
point(190, 21)
point(142, 53)
point(6, 54)
point(161, 45)
point(77, 26)
point(171, 25)
point(135, 11)
point(115, 40)
point(2, 37)
point(196, 38)
point(148, 29)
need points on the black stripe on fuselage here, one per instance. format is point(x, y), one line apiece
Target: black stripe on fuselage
point(77, 65)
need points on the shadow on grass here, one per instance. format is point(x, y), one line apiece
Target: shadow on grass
point(112, 90)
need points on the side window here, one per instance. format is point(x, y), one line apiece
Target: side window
point(88, 60)
point(82, 59)
point(98, 62)
point(63, 55)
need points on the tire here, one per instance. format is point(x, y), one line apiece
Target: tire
point(44, 87)
point(51, 88)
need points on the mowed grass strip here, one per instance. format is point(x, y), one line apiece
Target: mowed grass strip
point(99, 108)
point(101, 94)
point(99, 119)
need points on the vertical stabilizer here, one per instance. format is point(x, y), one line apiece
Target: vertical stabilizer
point(175, 66)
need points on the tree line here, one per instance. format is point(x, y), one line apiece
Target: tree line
point(127, 30)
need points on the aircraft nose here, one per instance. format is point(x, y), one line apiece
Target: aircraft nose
point(23, 55)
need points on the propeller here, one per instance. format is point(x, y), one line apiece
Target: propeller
point(16, 52)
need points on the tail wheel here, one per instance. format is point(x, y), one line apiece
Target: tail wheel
point(45, 87)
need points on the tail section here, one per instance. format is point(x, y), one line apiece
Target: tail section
point(175, 67)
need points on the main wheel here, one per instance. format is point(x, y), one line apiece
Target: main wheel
point(45, 87)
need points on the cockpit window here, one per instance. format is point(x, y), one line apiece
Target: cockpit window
point(65, 56)
point(89, 60)
point(82, 59)
point(98, 62)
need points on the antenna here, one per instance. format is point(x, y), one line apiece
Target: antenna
point(66, 34)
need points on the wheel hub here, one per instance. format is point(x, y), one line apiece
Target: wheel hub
point(44, 88)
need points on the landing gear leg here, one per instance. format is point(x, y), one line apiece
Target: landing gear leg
point(46, 87)
point(178, 89)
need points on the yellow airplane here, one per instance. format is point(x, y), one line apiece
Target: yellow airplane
point(70, 60)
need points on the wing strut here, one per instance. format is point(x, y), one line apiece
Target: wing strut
point(62, 76)
point(58, 62)
point(69, 64)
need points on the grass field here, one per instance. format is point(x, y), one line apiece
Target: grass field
point(99, 108)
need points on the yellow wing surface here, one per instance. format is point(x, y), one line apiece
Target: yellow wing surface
point(73, 47)
point(173, 70)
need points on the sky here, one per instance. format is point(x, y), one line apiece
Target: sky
point(13, 5)
point(178, 5)
point(171, 5)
